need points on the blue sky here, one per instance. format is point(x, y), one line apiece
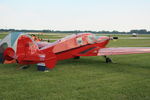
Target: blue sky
point(121, 15)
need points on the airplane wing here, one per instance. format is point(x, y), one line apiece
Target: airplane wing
point(123, 51)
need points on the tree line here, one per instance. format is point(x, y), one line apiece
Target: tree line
point(141, 31)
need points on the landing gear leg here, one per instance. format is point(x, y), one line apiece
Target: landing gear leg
point(23, 67)
point(107, 59)
point(77, 57)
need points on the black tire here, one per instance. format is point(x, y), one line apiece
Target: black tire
point(77, 57)
point(108, 60)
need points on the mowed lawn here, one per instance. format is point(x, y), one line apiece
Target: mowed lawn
point(88, 78)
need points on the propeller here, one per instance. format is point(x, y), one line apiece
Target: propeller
point(113, 38)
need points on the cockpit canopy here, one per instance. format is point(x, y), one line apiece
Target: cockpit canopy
point(89, 38)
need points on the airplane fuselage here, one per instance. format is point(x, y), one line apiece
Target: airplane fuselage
point(85, 44)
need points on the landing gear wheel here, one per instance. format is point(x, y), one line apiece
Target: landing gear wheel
point(107, 59)
point(77, 57)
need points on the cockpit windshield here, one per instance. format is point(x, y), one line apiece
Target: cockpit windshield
point(97, 37)
point(90, 38)
point(93, 38)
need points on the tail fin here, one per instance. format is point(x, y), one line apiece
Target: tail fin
point(29, 53)
point(27, 50)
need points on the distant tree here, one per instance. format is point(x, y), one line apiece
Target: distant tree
point(115, 32)
point(142, 31)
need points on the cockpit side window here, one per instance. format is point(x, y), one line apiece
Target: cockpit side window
point(97, 37)
point(90, 39)
point(79, 41)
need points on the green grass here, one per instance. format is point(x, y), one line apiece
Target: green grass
point(2, 35)
point(58, 36)
point(51, 36)
point(126, 35)
point(130, 43)
point(88, 78)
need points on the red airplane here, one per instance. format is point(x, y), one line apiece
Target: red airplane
point(24, 50)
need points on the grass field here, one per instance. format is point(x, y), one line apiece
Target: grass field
point(88, 78)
